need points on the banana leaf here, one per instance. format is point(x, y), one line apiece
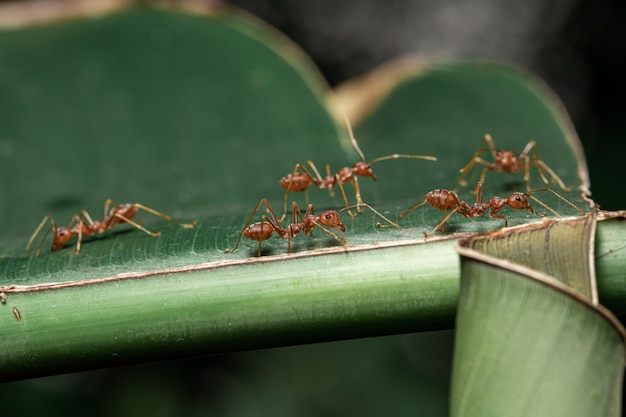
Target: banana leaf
point(529, 329)
point(198, 114)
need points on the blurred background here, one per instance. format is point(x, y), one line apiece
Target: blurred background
point(576, 46)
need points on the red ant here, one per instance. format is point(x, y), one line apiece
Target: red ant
point(511, 162)
point(263, 230)
point(448, 200)
point(83, 225)
point(301, 181)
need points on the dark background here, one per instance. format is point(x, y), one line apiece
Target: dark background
point(576, 46)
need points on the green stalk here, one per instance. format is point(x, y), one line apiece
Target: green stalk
point(271, 301)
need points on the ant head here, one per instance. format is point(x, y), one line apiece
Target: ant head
point(331, 218)
point(518, 201)
point(61, 236)
point(363, 169)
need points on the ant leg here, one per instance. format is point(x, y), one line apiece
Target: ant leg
point(542, 166)
point(479, 192)
point(52, 226)
point(476, 159)
point(481, 180)
point(535, 159)
point(443, 223)
point(87, 217)
point(295, 213)
point(288, 188)
point(343, 194)
point(488, 166)
point(465, 170)
point(317, 180)
point(107, 207)
point(80, 233)
point(161, 215)
point(254, 212)
point(310, 211)
point(492, 147)
point(506, 219)
point(357, 193)
point(415, 207)
point(260, 241)
point(341, 239)
point(378, 224)
point(136, 225)
point(531, 159)
point(285, 203)
point(289, 240)
point(330, 185)
point(529, 146)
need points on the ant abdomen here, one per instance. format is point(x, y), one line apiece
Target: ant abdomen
point(442, 199)
point(259, 231)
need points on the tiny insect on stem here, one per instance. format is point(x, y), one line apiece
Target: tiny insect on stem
point(449, 202)
point(328, 221)
point(263, 230)
point(304, 175)
point(82, 225)
point(509, 162)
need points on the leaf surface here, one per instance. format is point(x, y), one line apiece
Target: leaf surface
point(198, 115)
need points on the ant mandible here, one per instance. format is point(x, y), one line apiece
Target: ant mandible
point(448, 200)
point(83, 225)
point(263, 230)
point(510, 162)
point(301, 178)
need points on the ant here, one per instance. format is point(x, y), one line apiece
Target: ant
point(448, 200)
point(301, 178)
point(263, 230)
point(511, 162)
point(83, 225)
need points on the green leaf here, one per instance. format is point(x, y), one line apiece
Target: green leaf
point(549, 249)
point(198, 115)
point(519, 330)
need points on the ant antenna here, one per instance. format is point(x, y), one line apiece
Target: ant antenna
point(52, 226)
point(355, 144)
point(353, 139)
point(581, 212)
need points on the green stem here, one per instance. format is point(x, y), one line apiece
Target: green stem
point(208, 309)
